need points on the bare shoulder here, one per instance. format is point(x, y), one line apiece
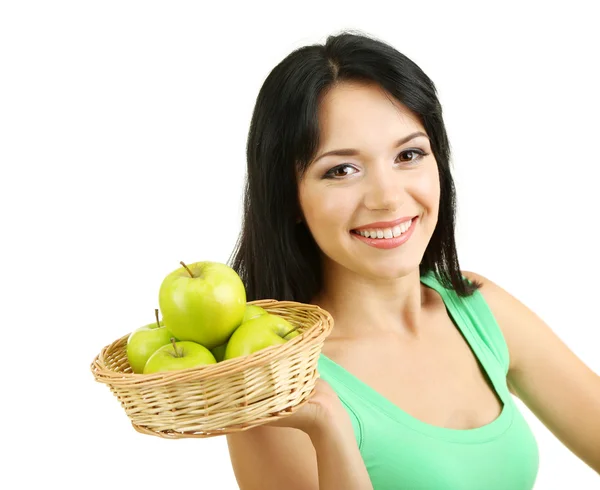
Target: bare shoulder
point(525, 332)
point(505, 308)
point(554, 383)
point(272, 458)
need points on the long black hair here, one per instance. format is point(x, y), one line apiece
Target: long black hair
point(277, 257)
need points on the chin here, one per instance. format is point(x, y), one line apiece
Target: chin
point(386, 272)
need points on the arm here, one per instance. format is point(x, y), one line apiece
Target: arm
point(272, 458)
point(339, 462)
point(547, 376)
point(313, 449)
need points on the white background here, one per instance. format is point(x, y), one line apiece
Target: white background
point(122, 143)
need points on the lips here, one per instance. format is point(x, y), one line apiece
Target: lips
point(387, 243)
point(381, 225)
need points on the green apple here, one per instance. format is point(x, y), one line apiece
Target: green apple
point(252, 311)
point(178, 355)
point(144, 341)
point(219, 351)
point(259, 333)
point(203, 302)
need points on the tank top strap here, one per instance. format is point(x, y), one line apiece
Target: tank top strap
point(478, 318)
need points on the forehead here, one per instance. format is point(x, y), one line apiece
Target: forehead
point(353, 111)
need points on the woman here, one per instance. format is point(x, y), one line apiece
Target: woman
point(350, 205)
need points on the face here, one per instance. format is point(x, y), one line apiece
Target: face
point(382, 181)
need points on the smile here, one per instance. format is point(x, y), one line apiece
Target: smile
point(386, 238)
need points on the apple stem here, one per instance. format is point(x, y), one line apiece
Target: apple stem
point(156, 315)
point(186, 268)
point(175, 347)
point(287, 333)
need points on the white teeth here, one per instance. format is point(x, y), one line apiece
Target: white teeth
point(387, 232)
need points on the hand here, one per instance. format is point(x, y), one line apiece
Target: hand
point(322, 411)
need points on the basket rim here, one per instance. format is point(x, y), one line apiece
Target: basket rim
point(225, 367)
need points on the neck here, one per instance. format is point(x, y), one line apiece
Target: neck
point(363, 306)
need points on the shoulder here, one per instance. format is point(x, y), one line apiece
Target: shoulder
point(554, 383)
point(509, 313)
point(533, 346)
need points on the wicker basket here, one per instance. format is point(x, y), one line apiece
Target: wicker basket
point(226, 397)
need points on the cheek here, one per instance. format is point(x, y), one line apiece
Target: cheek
point(427, 190)
point(325, 211)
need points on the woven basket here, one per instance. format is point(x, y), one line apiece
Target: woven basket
point(226, 397)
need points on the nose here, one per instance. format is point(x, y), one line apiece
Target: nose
point(383, 189)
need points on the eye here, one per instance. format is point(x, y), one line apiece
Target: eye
point(338, 171)
point(411, 152)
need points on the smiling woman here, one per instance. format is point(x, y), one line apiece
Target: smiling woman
point(350, 205)
point(393, 186)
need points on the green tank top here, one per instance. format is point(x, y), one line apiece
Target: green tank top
point(401, 452)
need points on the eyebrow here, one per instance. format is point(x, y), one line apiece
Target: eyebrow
point(351, 152)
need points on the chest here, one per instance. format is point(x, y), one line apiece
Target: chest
point(437, 380)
